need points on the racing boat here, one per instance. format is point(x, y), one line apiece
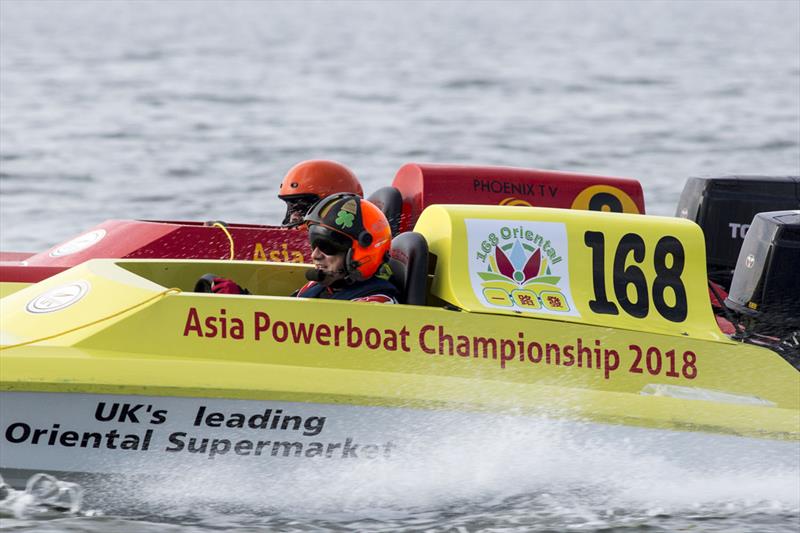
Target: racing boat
point(116, 366)
point(415, 186)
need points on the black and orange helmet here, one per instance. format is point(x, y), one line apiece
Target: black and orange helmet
point(310, 181)
point(345, 222)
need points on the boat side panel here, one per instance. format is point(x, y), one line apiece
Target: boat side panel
point(85, 306)
point(167, 440)
point(370, 354)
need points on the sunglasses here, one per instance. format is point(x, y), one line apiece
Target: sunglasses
point(329, 242)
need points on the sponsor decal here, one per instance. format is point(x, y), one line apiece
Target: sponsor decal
point(282, 254)
point(79, 244)
point(58, 298)
point(520, 266)
point(539, 190)
point(103, 433)
point(516, 350)
point(605, 198)
point(515, 202)
point(738, 231)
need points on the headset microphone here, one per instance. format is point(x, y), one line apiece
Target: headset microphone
point(321, 275)
point(317, 275)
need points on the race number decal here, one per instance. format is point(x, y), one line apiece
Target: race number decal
point(632, 290)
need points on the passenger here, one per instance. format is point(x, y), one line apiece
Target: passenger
point(350, 240)
point(310, 181)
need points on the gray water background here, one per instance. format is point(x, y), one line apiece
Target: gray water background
point(194, 110)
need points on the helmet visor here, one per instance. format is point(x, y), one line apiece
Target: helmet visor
point(328, 241)
point(297, 207)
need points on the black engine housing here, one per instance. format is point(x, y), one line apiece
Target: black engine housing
point(766, 283)
point(725, 206)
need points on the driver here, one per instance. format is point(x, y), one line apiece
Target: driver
point(310, 181)
point(350, 240)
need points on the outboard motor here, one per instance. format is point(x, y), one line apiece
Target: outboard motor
point(724, 206)
point(766, 283)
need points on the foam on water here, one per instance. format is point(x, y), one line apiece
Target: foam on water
point(549, 471)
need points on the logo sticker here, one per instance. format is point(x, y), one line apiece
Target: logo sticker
point(515, 201)
point(79, 244)
point(58, 298)
point(520, 266)
point(345, 219)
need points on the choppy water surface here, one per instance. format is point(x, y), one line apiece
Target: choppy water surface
point(194, 110)
point(471, 474)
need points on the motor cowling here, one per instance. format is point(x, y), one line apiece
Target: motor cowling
point(724, 206)
point(765, 290)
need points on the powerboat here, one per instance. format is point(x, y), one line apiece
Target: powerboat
point(119, 367)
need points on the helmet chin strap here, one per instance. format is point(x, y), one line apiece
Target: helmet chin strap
point(351, 268)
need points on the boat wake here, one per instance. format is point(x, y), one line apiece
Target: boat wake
point(539, 474)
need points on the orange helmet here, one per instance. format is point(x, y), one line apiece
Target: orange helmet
point(345, 222)
point(309, 182)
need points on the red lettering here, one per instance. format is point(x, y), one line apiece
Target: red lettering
point(539, 354)
point(569, 358)
point(507, 351)
point(555, 349)
point(302, 331)
point(323, 334)
point(426, 328)
point(351, 331)
point(689, 365)
point(404, 339)
point(612, 362)
point(671, 372)
point(337, 331)
point(372, 338)
point(445, 338)
point(584, 350)
point(192, 323)
point(635, 369)
point(653, 361)
point(261, 321)
point(526, 300)
point(280, 332)
point(211, 327)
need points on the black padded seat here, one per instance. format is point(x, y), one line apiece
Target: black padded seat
point(409, 263)
point(390, 201)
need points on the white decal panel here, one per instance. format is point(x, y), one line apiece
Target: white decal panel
point(58, 298)
point(520, 266)
point(140, 434)
point(79, 244)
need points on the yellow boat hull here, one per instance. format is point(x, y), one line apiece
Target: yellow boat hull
point(130, 333)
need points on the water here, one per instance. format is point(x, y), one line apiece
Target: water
point(194, 110)
point(484, 473)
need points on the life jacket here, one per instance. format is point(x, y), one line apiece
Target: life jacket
point(368, 290)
